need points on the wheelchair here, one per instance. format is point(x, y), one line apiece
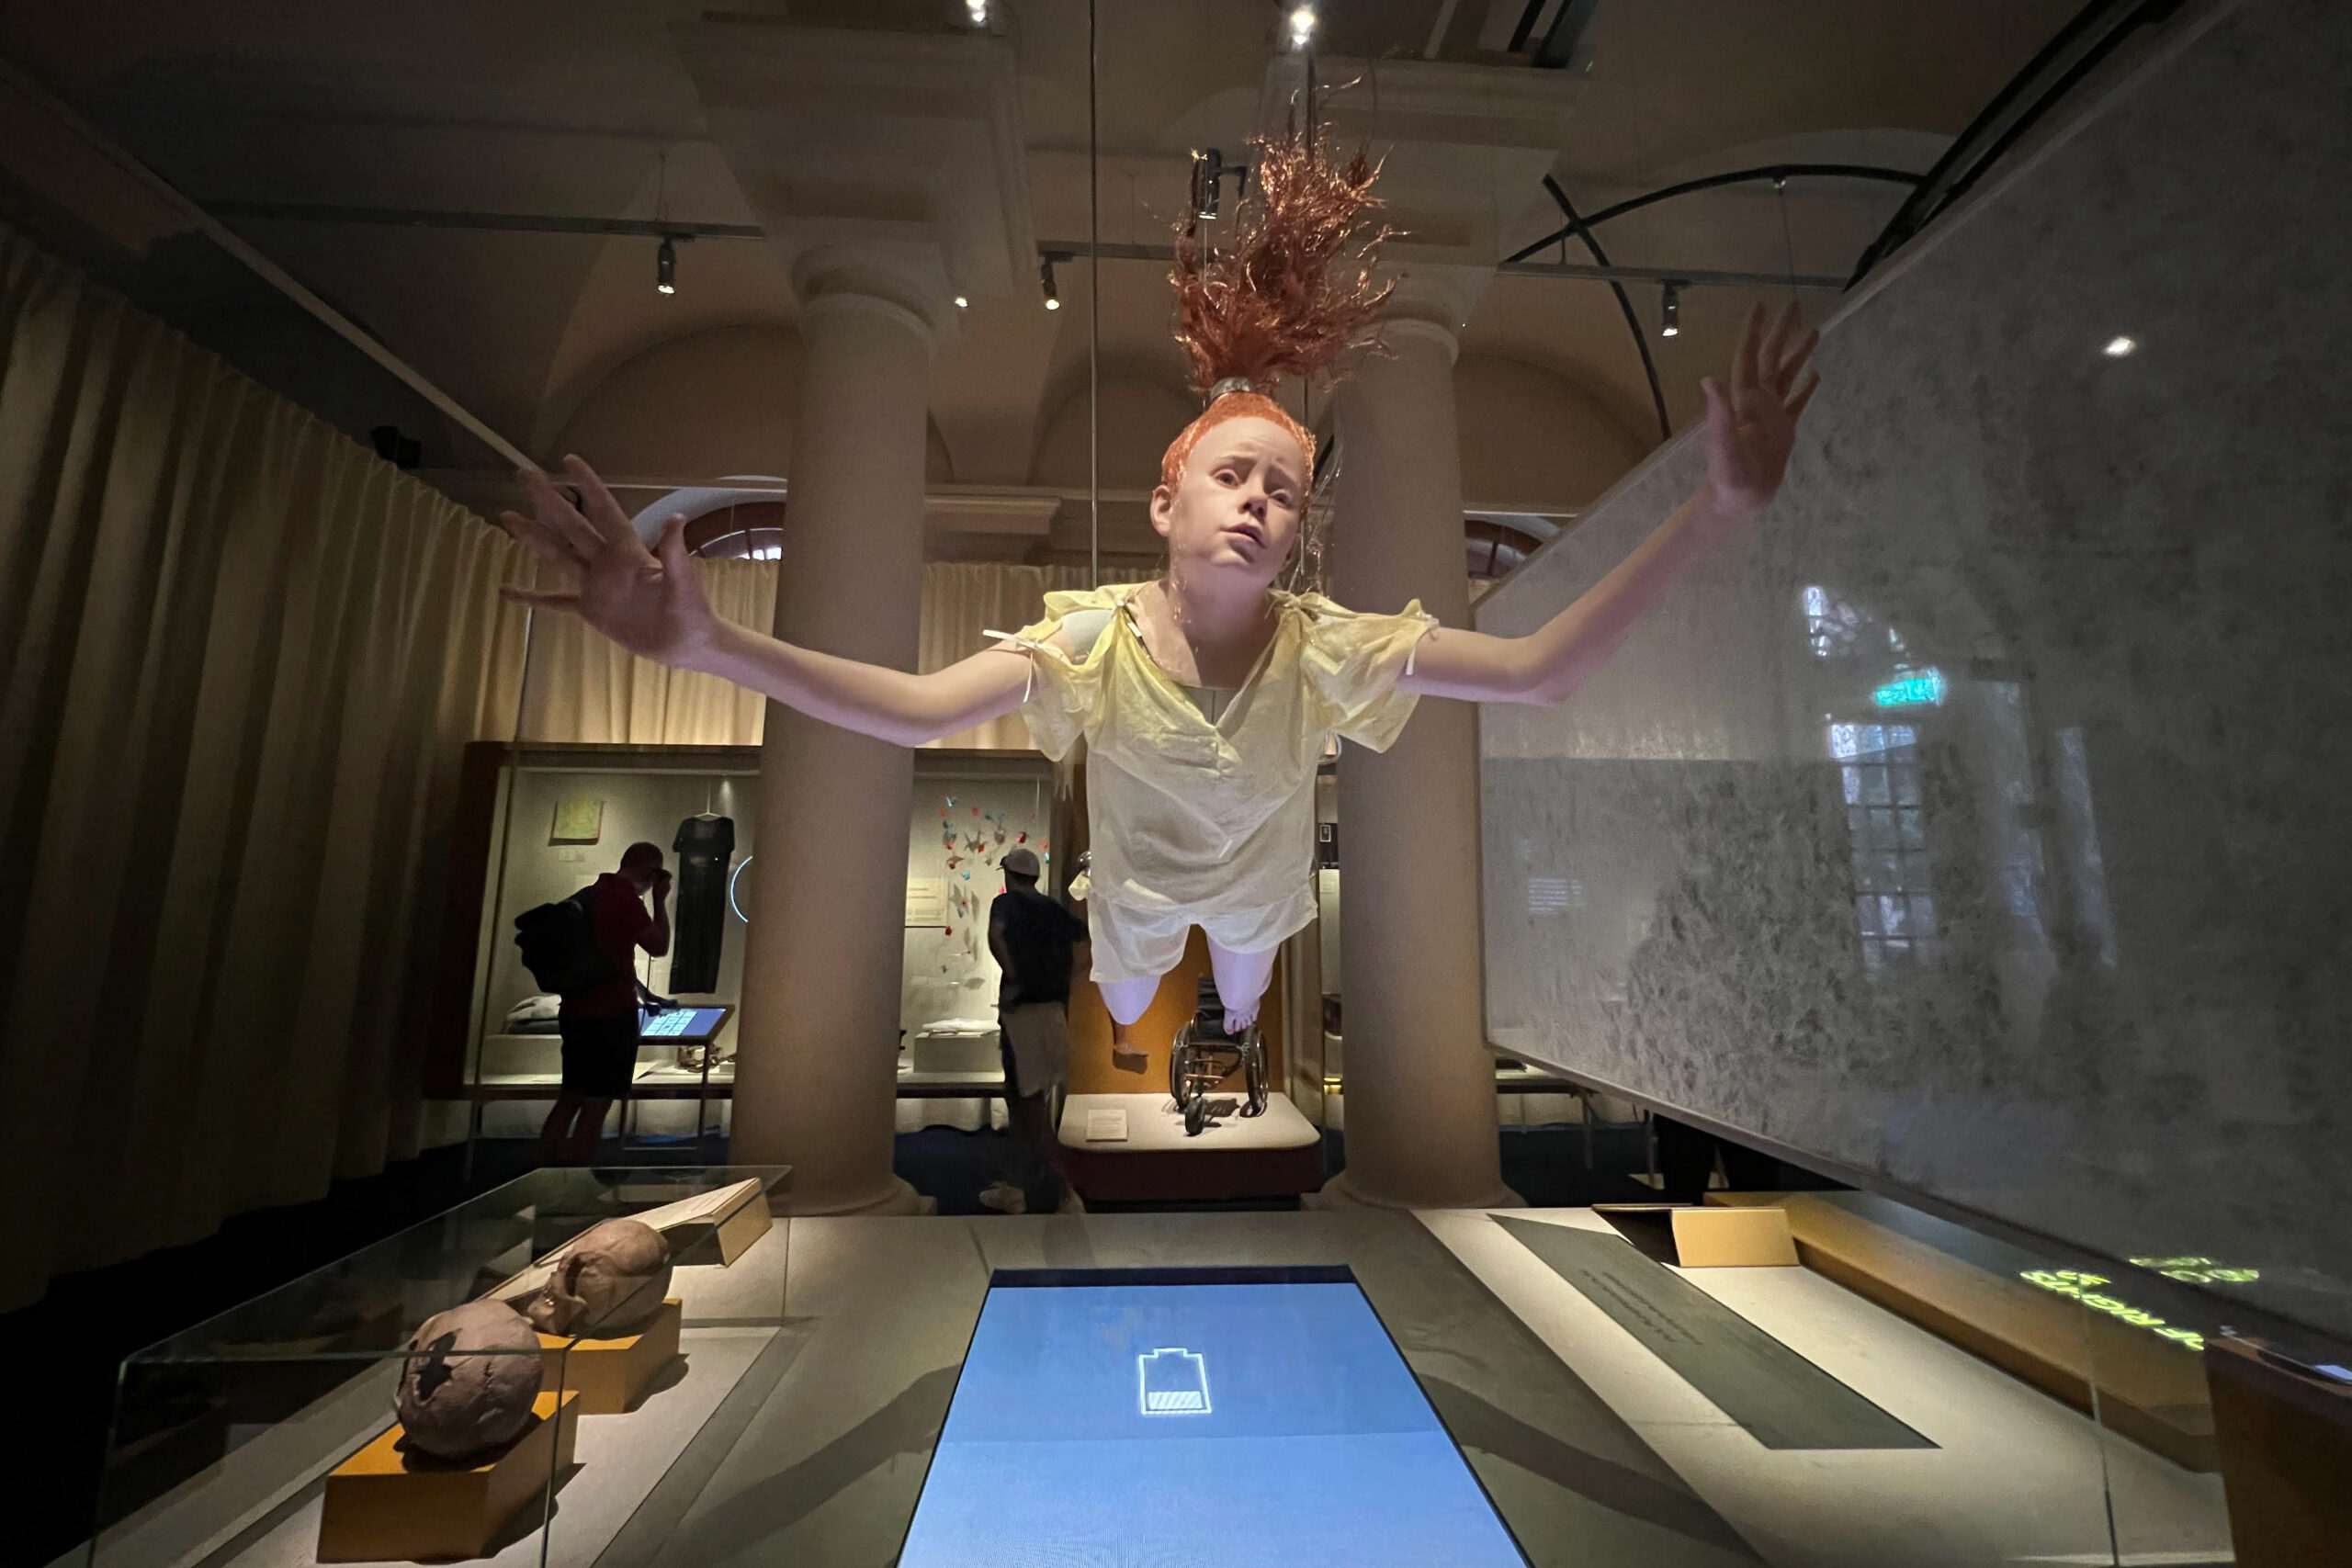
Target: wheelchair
point(1204, 1056)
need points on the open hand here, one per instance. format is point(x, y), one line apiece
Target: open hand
point(1752, 428)
point(650, 602)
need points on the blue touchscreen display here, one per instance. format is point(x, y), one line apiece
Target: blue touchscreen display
point(679, 1023)
point(1264, 1417)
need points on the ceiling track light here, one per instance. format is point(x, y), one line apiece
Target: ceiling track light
point(1670, 311)
point(1210, 171)
point(1046, 278)
point(1302, 26)
point(665, 267)
point(979, 11)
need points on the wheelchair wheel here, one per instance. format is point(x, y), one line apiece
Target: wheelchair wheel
point(1196, 1116)
point(1180, 1069)
point(1253, 1071)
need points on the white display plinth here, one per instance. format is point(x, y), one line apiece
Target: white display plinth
point(1155, 1126)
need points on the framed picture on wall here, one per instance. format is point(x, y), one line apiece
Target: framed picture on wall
point(578, 819)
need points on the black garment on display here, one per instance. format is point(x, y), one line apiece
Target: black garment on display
point(704, 846)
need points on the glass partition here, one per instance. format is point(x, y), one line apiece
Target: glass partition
point(268, 1433)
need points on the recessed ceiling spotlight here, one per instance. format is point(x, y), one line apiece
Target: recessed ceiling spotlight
point(665, 267)
point(1046, 276)
point(979, 11)
point(1301, 26)
point(1670, 312)
point(962, 303)
point(2119, 346)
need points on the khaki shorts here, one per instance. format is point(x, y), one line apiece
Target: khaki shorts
point(1143, 944)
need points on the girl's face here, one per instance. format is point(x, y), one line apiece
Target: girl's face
point(1236, 508)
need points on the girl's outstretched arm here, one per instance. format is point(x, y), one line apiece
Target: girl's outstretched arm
point(651, 603)
point(1750, 431)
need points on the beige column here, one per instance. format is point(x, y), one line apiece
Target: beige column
point(888, 170)
point(817, 1079)
point(1421, 1129)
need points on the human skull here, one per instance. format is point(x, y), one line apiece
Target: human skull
point(611, 1278)
point(470, 1381)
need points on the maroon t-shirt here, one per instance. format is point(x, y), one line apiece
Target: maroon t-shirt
point(619, 919)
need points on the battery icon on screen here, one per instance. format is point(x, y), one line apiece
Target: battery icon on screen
point(1174, 1381)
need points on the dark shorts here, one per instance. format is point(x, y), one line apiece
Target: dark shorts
point(599, 1055)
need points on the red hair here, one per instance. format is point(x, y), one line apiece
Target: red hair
point(1288, 294)
point(1233, 405)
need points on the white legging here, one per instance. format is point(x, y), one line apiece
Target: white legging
point(1240, 984)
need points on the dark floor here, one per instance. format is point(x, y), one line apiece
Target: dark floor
point(70, 1342)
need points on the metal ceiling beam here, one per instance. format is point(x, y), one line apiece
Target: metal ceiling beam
point(503, 223)
point(1052, 250)
point(1694, 277)
point(1779, 174)
point(1624, 304)
point(1687, 277)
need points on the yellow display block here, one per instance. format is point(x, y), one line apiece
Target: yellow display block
point(610, 1374)
point(385, 1505)
point(1733, 1238)
point(740, 1227)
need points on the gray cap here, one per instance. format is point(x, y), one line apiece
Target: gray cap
point(1020, 860)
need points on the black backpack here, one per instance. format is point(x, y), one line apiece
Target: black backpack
point(558, 945)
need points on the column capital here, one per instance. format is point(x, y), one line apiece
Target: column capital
point(884, 165)
point(1433, 299)
point(902, 283)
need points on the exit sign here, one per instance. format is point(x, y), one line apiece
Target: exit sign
point(1912, 689)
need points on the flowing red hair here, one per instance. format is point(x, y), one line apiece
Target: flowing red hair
point(1290, 292)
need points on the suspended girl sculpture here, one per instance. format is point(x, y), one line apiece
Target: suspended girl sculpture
point(1207, 697)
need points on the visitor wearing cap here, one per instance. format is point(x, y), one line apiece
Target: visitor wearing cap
point(1032, 937)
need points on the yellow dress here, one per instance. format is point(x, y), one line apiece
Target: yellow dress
point(1195, 822)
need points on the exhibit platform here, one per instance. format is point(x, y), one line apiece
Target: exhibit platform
point(1612, 1408)
point(1151, 1157)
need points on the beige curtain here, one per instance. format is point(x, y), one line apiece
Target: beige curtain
point(583, 688)
point(238, 654)
point(964, 600)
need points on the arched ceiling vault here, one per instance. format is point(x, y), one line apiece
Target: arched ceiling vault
point(551, 108)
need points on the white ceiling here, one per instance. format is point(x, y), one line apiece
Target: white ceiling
point(574, 109)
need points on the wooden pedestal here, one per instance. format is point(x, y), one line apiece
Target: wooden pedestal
point(383, 1504)
point(2286, 1442)
point(1748, 1237)
point(608, 1375)
point(1733, 1238)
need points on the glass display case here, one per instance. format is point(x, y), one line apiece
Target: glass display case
point(268, 1434)
point(538, 822)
